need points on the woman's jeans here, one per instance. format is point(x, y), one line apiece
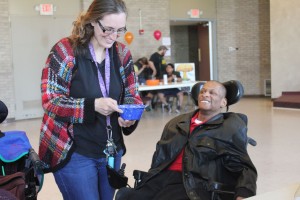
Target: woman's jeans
point(86, 178)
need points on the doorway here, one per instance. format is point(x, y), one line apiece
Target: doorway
point(192, 42)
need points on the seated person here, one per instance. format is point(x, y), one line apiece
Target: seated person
point(196, 149)
point(145, 70)
point(173, 76)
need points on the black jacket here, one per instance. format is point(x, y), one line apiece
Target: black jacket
point(214, 151)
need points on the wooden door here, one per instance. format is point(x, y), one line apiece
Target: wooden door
point(203, 53)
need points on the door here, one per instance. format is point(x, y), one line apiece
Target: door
point(200, 50)
point(204, 72)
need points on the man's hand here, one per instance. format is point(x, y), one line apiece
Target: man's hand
point(239, 198)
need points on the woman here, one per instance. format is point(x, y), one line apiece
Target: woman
point(144, 70)
point(85, 78)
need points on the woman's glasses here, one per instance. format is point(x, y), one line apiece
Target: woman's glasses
point(109, 31)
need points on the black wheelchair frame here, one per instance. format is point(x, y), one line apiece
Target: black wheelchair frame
point(28, 164)
point(235, 91)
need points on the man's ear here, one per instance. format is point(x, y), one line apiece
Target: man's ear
point(224, 102)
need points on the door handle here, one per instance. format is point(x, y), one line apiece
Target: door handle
point(199, 54)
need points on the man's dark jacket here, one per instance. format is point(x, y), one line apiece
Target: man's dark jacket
point(215, 151)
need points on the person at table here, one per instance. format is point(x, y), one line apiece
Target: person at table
point(173, 76)
point(158, 61)
point(144, 70)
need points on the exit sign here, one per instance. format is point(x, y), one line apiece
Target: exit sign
point(194, 13)
point(46, 9)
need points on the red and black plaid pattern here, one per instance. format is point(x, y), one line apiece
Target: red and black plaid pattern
point(61, 110)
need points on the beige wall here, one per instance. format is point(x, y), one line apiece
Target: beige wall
point(244, 25)
point(6, 70)
point(285, 48)
point(240, 23)
point(179, 8)
point(152, 19)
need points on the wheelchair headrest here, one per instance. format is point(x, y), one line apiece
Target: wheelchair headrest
point(3, 111)
point(234, 91)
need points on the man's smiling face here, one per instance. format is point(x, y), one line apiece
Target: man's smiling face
point(212, 97)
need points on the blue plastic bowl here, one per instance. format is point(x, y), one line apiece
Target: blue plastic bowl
point(132, 111)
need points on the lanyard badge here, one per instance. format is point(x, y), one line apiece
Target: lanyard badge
point(110, 152)
point(111, 148)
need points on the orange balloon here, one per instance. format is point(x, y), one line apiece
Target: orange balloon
point(128, 37)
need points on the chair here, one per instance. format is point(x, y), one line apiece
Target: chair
point(170, 99)
point(234, 94)
point(187, 93)
point(21, 169)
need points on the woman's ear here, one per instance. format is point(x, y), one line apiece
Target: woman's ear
point(93, 24)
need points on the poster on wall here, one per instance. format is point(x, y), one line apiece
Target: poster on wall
point(187, 71)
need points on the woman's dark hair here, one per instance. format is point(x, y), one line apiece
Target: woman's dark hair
point(171, 64)
point(83, 30)
point(143, 60)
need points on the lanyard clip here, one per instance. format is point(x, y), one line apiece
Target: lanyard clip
point(109, 131)
point(111, 148)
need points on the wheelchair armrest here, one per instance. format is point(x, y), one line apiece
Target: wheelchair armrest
point(138, 176)
point(38, 167)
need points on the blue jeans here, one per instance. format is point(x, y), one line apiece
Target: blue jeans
point(86, 178)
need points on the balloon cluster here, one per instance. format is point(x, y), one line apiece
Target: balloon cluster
point(129, 36)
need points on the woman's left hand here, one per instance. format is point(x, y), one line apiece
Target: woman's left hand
point(125, 123)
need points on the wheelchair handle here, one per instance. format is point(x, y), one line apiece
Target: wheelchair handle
point(37, 163)
point(252, 141)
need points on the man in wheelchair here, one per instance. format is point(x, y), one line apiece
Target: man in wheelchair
point(198, 150)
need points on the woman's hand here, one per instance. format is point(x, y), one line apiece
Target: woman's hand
point(125, 123)
point(106, 106)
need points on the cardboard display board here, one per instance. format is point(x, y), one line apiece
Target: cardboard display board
point(187, 71)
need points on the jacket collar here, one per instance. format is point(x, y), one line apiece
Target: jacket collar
point(185, 121)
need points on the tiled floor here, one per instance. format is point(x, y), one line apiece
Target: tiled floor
point(276, 155)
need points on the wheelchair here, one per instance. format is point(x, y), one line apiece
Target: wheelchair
point(234, 93)
point(21, 169)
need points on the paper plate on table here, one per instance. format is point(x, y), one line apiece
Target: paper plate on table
point(132, 111)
